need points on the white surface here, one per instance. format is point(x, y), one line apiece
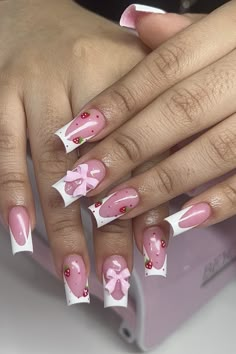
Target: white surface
point(35, 319)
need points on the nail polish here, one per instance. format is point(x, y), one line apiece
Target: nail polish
point(81, 180)
point(154, 251)
point(189, 218)
point(82, 128)
point(20, 230)
point(75, 280)
point(115, 281)
point(129, 16)
point(114, 206)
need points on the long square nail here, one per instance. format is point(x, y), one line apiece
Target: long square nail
point(114, 206)
point(81, 129)
point(154, 251)
point(81, 180)
point(188, 218)
point(115, 281)
point(20, 230)
point(75, 280)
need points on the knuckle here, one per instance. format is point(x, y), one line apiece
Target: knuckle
point(229, 192)
point(127, 148)
point(116, 228)
point(222, 148)
point(63, 233)
point(9, 144)
point(124, 98)
point(163, 181)
point(185, 106)
point(12, 181)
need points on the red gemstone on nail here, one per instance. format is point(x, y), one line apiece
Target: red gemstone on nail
point(148, 264)
point(85, 292)
point(123, 210)
point(98, 204)
point(67, 272)
point(163, 244)
point(85, 115)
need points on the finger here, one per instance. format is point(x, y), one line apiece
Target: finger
point(46, 109)
point(190, 107)
point(16, 201)
point(214, 153)
point(173, 61)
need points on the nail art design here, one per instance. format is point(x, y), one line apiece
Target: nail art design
point(129, 16)
point(154, 251)
point(80, 181)
point(189, 218)
point(114, 206)
point(115, 281)
point(20, 230)
point(82, 128)
point(75, 280)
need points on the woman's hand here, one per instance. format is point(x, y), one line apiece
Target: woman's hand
point(185, 88)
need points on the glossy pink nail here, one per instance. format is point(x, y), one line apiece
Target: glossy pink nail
point(82, 128)
point(115, 281)
point(80, 181)
point(20, 230)
point(114, 206)
point(189, 218)
point(75, 280)
point(132, 12)
point(154, 251)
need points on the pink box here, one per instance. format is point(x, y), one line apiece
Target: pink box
point(200, 263)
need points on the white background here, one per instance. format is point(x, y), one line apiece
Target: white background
point(34, 318)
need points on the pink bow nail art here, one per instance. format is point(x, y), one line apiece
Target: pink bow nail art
point(82, 128)
point(115, 280)
point(80, 181)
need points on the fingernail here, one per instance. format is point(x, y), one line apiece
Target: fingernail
point(129, 16)
point(80, 181)
point(20, 230)
point(82, 128)
point(75, 280)
point(114, 206)
point(154, 251)
point(115, 281)
point(189, 218)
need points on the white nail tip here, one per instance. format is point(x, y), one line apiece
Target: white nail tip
point(109, 301)
point(174, 220)
point(27, 247)
point(60, 187)
point(151, 9)
point(101, 221)
point(153, 271)
point(71, 299)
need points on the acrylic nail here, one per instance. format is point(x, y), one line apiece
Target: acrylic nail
point(154, 251)
point(189, 218)
point(20, 230)
point(80, 181)
point(114, 206)
point(132, 12)
point(115, 281)
point(75, 280)
point(82, 128)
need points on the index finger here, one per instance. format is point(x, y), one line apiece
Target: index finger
point(182, 55)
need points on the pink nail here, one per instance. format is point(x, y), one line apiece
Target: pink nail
point(154, 250)
point(81, 180)
point(132, 12)
point(114, 206)
point(20, 230)
point(75, 280)
point(189, 218)
point(81, 129)
point(115, 281)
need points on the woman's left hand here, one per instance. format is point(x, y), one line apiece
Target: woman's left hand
point(184, 88)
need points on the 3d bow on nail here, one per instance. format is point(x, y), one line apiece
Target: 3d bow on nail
point(80, 175)
point(115, 277)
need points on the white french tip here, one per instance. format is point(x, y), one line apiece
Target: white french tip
point(27, 247)
point(151, 9)
point(129, 15)
point(174, 220)
point(109, 301)
point(161, 272)
point(60, 187)
point(101, 221)
point(71, 299)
